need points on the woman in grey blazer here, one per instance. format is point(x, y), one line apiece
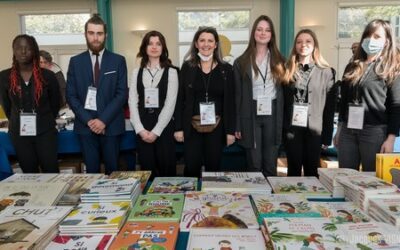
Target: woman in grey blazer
point(310, 99)
point(258, 74)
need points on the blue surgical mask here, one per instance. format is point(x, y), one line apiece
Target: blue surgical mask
point(372, 46)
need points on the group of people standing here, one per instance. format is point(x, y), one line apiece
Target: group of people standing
point(261, 101)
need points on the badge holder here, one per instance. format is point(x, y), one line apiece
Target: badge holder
point(151, 98)
point(90, 101)
point(300, 115)
point(356, 116)
point(264, 105)
point(27, 125)
point(207, 113)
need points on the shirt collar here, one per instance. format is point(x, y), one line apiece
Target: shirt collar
point(100, 53)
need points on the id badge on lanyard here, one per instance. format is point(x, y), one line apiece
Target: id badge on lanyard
point(151, 98)
point(27, 124)
point(207, 113)
point(264, 105)
point(90, 102)
point(300, 114)
point(356, 116)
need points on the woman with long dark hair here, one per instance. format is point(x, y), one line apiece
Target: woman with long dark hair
point(31, 100)
point(152, 97)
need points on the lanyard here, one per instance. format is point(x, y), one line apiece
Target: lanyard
point(356, 96)
point(301, 97)
point(152, 76)
point(206, 83)
point(264, 77)
point(20, 98)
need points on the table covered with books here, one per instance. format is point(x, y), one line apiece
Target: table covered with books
point(225, 210)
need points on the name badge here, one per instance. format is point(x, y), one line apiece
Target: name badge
point(27, 124)
point(356, 116)
point(264, 106)
point(207, 113)
point(300, 115)
point(90, 102)
point(151, 98)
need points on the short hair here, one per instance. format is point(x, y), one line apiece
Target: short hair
point(96, 19)
point(46, 55)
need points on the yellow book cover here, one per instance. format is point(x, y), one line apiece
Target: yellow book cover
point(389, 167)
point(2, 113)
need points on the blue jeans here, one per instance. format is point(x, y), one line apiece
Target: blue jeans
point(360, 146)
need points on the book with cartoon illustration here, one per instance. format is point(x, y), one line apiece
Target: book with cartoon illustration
point(340, 212)
point(30, 193)
point(29, 227)
point(142, 176)
point(309, 186)
point(98, 242)
point(173, 185)
point(158, 207)
point(367, 184)
point(253, 182)
point(217, 210)
point(388, 167)
point(238, 239)
point(328, 178)
point(147, 235)
point(95, 218)
point(45, 177)
point(111, 187)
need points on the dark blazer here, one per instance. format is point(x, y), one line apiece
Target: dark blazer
point(111, 92)
point(322, 94)
point(49, 102)
point(245, 113)
point(185, 102)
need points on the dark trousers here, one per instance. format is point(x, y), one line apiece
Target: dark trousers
point(303, 149)
point(360, 146)
point(263, 157)
point(33, 151)
point(159, 156)
point(203, 149)
point(94, 146)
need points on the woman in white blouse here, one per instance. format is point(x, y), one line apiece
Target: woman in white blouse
point(152, 98)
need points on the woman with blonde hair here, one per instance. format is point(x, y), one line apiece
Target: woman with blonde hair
point(258, 75)
point(310, 100)
point(369, 114)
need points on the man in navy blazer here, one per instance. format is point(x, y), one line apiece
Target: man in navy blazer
point(96, 92)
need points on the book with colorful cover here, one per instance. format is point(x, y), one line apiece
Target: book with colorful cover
point(389, 208)
point(173, 185)
point(95, 215)
point(111, 187)
point(309, 186)
point(30, 177)
point(142, 176)
point(217, 210)
point(341, 212)
point(235, 182)
point(388, 167)
point(229, 239)
point(30, 193)
point(367, 184)
point(98, 242)
point(25, 227)
point(158, 207)
point(147, 235)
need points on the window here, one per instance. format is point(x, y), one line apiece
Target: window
point(353, 19)
point(55, 29)
point(232, 26)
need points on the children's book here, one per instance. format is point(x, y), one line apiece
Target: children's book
point(225, 239)
point(218, 210)
point(388, 167)
point(309, 186)
point(98, 242)
point(147, 235)
point(30, 177)
point(111, 187)
point(142, 176)
point(158, 207)
point(173, 185)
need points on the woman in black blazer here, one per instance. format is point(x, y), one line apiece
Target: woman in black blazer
point(31, 99)
point(310, 99)
point(206, 97)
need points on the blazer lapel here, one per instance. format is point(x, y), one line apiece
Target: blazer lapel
point(104, 66)
point(88, 68)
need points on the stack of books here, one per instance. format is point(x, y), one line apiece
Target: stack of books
point(147, 235)
point(240, 239)
point(309, 186)
point(30, 227)
point(158, 207)
point(95, 219)
point(328, 176)
point(360, 188)
point(173, 185)
point(142, 176)
point(248, 182)
point(217, 210)
point(112, 190)
point(386, 209)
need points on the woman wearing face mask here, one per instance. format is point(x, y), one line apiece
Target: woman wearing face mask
point(205, 108)
point(310, 99)
point(258, 74)
point(370, 99)
point(152, 97)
